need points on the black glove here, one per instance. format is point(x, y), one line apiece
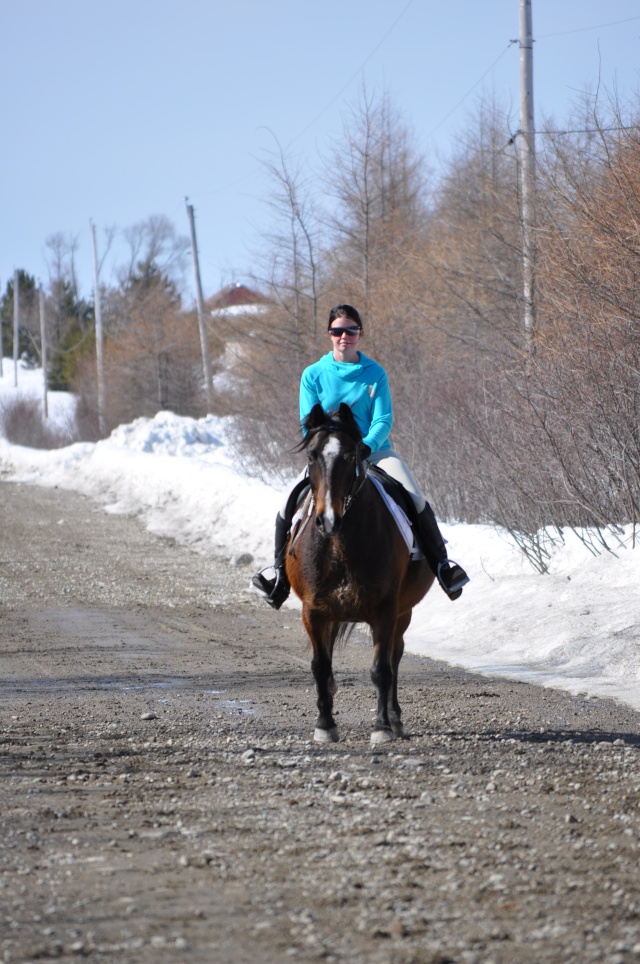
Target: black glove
point(363, 451)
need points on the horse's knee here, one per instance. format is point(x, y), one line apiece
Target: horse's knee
point(381, 675)
point(321, 669)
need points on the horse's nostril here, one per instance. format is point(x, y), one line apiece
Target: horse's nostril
point(320, 522)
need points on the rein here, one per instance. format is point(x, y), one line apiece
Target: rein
point(356, 485)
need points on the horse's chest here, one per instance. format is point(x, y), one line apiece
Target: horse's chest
point(338, 584)
point(347, 596)
point(343, 588)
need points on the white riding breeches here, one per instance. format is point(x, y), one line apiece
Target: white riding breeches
point(394, 466)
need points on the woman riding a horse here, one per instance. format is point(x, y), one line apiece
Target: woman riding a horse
point(347, 375)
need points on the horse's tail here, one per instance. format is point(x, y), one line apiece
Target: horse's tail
point(344, 633)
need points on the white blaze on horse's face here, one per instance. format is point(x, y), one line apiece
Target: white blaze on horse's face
point(330, 452)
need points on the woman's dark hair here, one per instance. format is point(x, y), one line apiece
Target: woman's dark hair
point(344, 311)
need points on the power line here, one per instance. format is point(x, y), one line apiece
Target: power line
point(600, 26)
point(554, 133)
point(471, 89)
point(356, 74)
point(324, 110)
point(594, 130)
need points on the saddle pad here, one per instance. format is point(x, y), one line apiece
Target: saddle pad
point(401, 520)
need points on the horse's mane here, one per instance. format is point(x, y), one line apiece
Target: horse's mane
point(340, 420)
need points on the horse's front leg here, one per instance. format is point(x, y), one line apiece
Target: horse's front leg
point(322, 634)
point(382, 676)
point(395, 712)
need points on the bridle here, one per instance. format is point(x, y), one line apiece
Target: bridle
point(361, 469)
point(359, 478)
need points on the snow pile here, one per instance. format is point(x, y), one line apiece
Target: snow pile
point(169, 434)
point(577, 628)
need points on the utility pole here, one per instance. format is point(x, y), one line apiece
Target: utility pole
point(527, 168)
point(43, 341)
point(99, 337)
point(202, 322)
point(16, 324)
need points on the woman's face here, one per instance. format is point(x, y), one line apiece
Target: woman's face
point(345, 337)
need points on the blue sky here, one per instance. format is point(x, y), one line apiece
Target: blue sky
point(114, 110)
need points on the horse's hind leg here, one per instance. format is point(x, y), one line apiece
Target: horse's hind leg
point(322, 636)
point(395, 712)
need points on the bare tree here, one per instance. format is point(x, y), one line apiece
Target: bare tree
point(556, 442)
point(292, 265)
point(62, 303)
point(154, 246)
point(149, 342)
point(376, 180)
point(473, 255)
point(153, 364)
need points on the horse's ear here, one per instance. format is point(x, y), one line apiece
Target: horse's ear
point(348, 419)
point(316, 417)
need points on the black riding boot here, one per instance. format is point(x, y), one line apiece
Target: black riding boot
point(450, 575)
point(275, 590)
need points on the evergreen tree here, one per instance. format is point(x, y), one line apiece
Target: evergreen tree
point(78, 341)
point(29, 331)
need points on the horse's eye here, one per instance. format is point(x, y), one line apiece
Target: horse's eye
point(312, 456)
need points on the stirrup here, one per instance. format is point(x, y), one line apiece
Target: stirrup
point(452, 578)
point(275, 590)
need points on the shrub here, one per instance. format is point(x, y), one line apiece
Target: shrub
point(22, 422)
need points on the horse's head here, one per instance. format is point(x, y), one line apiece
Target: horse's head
point(332, 441)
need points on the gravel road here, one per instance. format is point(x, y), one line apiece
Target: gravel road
point(162, 801)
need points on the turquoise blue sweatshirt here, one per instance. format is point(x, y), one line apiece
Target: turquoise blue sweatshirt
point(363, 385)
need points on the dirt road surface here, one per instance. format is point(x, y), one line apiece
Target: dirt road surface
point(161, 799)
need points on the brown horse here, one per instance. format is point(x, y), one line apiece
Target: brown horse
point(349, 563)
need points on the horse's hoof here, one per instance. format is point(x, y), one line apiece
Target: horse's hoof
point(381, 736)
point(326, 736)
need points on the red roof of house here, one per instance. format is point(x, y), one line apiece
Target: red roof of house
point(235, 295)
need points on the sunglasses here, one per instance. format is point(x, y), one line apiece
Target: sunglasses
point(338, 332)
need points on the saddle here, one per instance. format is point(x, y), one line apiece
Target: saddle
point(405, 515)
point(397, 492)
